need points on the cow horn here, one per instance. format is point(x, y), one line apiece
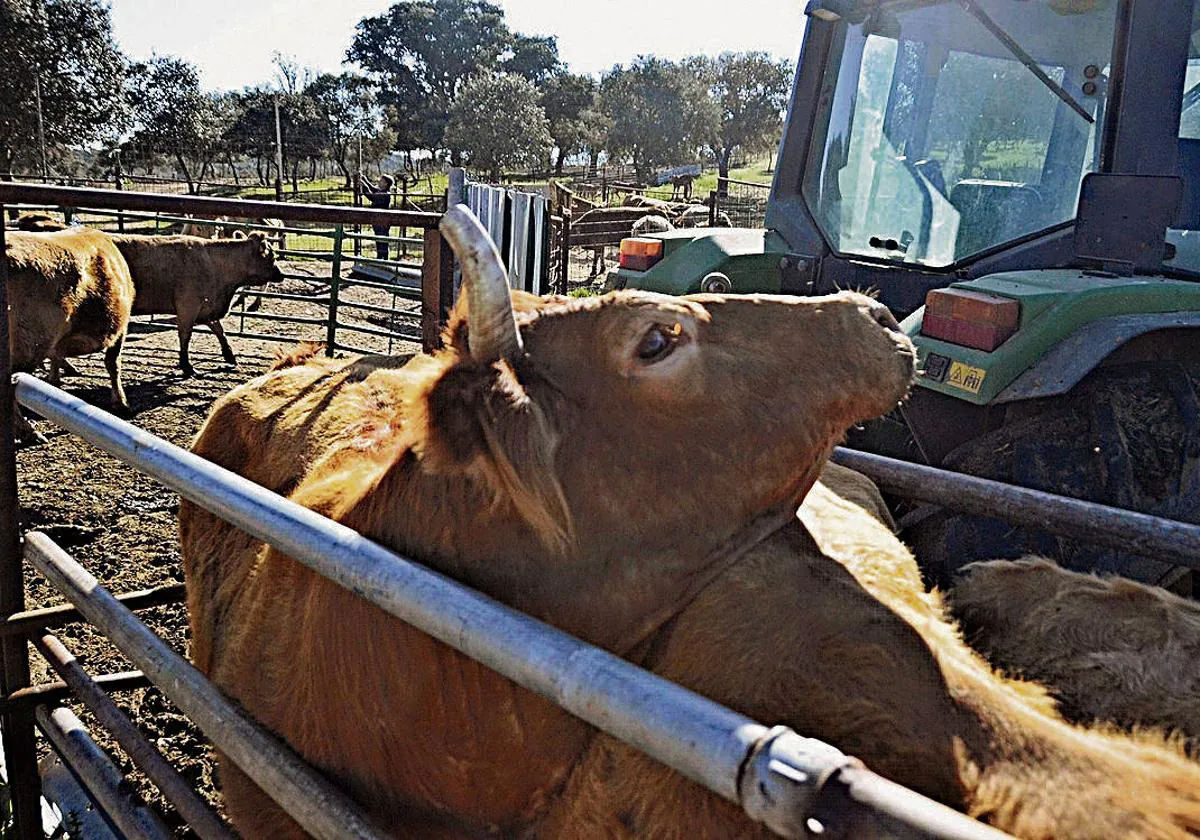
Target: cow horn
point(492, 326)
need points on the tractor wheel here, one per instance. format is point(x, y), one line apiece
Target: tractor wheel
point(1127, 436)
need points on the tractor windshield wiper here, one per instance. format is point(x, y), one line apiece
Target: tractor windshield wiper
point(1025, 58)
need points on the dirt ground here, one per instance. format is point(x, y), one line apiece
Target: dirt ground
point(122, 526)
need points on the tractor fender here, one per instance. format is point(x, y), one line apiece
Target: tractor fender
point(1073, 358)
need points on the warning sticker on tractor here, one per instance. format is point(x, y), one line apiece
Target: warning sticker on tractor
point(965, 377)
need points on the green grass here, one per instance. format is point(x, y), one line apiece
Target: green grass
point(757, 172)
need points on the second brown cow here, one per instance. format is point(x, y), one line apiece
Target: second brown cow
point(195, 279)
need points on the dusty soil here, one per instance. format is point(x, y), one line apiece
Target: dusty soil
point(122, 526)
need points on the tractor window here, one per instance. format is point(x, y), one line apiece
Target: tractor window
point(955, 127)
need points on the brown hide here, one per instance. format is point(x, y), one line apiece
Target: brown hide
point(70, 294)
point(1109, 649)
point(195, 279)
point(38, 223)
point(834, 635)
point(585, 481)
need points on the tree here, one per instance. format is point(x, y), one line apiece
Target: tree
point(172, 115)
point(751, 92)
point(421, 52)
point(567, 98)
point(350, 112)
point(498, 122)
point(533, 58)
point(58, 54)
point(660, 113)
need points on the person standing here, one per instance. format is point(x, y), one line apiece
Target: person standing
point(378, 196)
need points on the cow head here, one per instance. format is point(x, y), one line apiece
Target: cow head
point(638, 424)
point(260, 267)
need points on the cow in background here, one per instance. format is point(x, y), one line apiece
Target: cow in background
point(1109, 649)
point(195, 280)
point(70, 293)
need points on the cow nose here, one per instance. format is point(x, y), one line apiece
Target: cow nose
point(883, 316)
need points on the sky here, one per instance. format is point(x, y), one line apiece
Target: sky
point(232, 41)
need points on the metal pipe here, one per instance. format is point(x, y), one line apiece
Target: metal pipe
point(57, 691)
point(695, 736)
point(86, 197)
point(32, 620)
point(178, 791)
point(319, 807)
point(1138, 533)
point(99, 776)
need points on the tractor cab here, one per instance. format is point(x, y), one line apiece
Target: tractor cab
point(1020, 181)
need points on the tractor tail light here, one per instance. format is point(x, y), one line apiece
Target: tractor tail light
point(971, 319)
point(639, 253)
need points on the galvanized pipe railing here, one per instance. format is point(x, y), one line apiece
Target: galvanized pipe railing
point(323, 810)
point(95, 770)
point(86, 197)
point(199, 816)
point(778, 777)
point(1124, 530)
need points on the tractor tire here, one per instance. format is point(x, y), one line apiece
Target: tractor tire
point(1128, 436)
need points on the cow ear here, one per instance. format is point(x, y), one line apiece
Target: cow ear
point(478, 422)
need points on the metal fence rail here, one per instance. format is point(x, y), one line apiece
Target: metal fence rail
point(778, 777)
point(1124, 530)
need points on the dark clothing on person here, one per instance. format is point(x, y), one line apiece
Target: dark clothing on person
point(380, 199)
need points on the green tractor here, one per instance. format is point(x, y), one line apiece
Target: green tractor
point(1020, 181)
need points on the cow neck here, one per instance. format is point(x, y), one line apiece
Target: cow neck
point(636, 642)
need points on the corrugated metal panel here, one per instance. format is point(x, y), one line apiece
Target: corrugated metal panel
point(517, 222)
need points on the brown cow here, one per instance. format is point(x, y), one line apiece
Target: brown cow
point(195, 279)
point(38, 223)
point(1108, 648)
point(70, 293)
point(829, 629)
point(486, 461)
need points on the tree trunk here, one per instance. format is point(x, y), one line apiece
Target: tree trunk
point(558, 162)
point(258, 166)
point(723, 169)
point(345, 172)
point(455, 157)
point(232, 168)
point(187, 176)
point(312, 169)
point(295, 177)
point(639, 167)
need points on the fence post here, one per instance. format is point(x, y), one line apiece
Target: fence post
point(335, 284)
point(358, 202)
point(437, 288)
point(564, 258)
point(712, 208)
point(16, 723)
point(456, 186)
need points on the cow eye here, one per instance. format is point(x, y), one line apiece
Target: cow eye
point(658, 342)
